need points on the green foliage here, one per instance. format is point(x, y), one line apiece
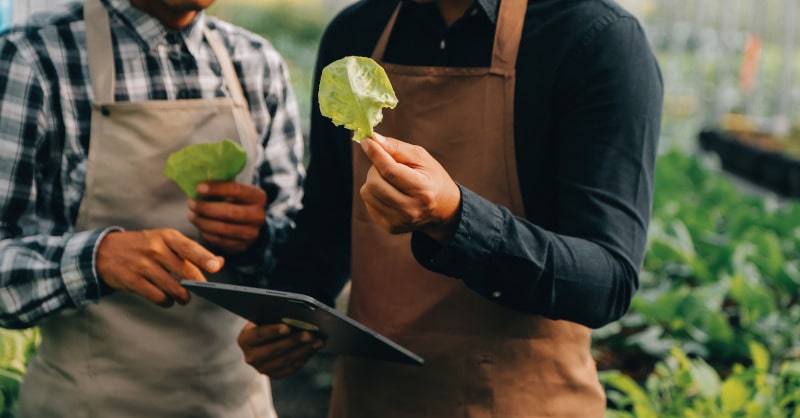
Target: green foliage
point(720, 282)
point(16, 350)
point(721, 278)
point(294, 28)
point(353, 92)
point(193, 164)
point(720, 273)
point(684, 387)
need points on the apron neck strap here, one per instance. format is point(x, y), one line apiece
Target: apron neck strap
point(228, 70)
point(380, 47)
point(508, 33)
point(100, 51)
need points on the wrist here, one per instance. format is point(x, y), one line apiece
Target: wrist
point(444, 230)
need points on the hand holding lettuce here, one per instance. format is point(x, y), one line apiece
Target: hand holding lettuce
point(353, 92)
point(196, 163)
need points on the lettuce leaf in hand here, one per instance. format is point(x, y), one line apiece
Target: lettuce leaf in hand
point(353, 92)
point(196, 163)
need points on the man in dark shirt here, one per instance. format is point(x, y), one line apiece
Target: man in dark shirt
point(546, 237)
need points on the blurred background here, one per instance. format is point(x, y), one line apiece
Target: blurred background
point(715, 328)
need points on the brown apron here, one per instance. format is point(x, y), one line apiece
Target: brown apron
point(125, 357)
point(481, 359)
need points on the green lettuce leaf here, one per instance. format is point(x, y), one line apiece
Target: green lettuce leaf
point(197, 163)
point(353, 92)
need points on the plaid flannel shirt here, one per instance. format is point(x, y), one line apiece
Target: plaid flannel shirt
point(45, 107)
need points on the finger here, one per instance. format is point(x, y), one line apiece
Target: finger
point(387, 199)
point(292, 363)
point(143, 277)
point(289, 362)
point(195, 253)
point(376, 153)
point(172, 269)
point(165, 279)
point(233, 231)
point(255, 335)
point(387, 203)
point(228, 244)
point(399, 175)
point(144, 288)
point(246, 330)
point(274, 354)
point(386, 215)
point(280, 346)
point(381, 191)
point(400, 151)
point(228, 211)
point(234, 191)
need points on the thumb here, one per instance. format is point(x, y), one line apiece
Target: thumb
point(374, 148)
point(400, 152)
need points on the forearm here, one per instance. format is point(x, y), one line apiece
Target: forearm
point(524, 267)
point(45, 274)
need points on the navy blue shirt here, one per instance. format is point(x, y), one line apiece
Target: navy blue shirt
point(587, 118)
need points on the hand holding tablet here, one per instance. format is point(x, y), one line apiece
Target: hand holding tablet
point(263, 306)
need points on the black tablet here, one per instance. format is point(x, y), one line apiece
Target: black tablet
point(263, 306)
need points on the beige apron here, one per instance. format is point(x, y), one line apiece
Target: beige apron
point(481, 359)
point(126, 357)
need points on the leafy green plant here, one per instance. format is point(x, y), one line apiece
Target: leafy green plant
point(353, 92)
point(684, 387)
point(720, 273)
point(16, 350)
point(193, 164)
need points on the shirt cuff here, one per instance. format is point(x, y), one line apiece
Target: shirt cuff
point(81, 280)
point(253, 266)
point(467, 254)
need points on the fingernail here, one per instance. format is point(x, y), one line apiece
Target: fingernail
point(365, 144)
point(212, 264)
point(379, 137)
point(284, 330)
point(202, 188)
point(192, 204)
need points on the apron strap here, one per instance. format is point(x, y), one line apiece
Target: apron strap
point(508, 33)
point(241, 110)
point(380, 47)
point(99, 49)
point(510, 20)
point(101, 56)
point(228, 70)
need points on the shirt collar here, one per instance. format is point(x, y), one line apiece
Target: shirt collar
point(151, 32)
point(489, 7)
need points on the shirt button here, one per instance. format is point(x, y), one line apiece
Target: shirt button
point(442, 44)
point(474, 11)
point(496, 294)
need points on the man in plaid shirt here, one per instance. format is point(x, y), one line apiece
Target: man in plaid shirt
point(94, 239)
